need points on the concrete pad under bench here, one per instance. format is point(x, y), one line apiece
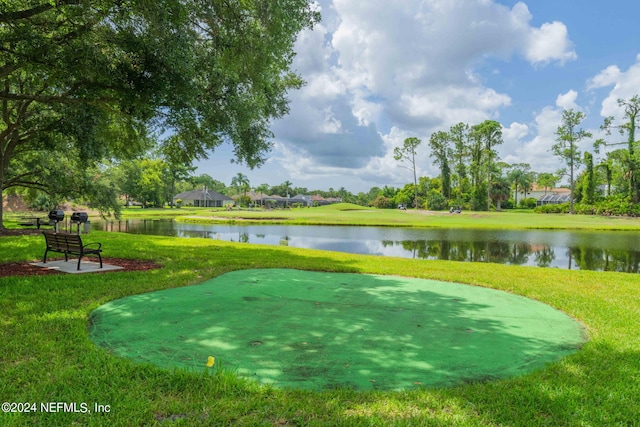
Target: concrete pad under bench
point(72, 265)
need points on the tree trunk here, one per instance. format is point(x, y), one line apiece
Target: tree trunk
point(572, 188)
point(1, 193)
point(415, 183)
point(633, 164)
point(489, 189)
point(1, 208)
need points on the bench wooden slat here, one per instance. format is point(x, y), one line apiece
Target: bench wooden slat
point(69, 244)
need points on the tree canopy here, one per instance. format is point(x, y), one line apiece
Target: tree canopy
point(92, 79)
point(566, 147)
point(407, 153)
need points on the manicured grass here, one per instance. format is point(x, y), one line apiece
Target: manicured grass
point(347, 214)
point(46, 355)
point(350, 214)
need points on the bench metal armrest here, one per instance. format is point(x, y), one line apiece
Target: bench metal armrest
point(93, 243)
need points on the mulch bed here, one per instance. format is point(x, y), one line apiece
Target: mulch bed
point(21, 231)
point(26, 269)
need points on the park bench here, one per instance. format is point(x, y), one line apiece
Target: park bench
point(70, 244)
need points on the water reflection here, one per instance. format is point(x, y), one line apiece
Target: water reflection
point(604, 251)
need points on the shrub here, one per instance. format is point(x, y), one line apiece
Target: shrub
point(553, 208)
point(617, 205)
point(382, 202)
point(611, 206)
point(479, 199)
point(528, 203)
point(42, 202)
point(436, 201)
point(243, 200)
point(585, 209)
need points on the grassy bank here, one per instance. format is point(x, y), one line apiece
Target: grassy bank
point(347, 214)
point(45, 353)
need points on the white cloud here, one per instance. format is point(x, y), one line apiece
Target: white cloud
point(567, 100)
point(549, 43)
point(626, 84)
point(537, 150)
point(379, 70)
point(385, 170)
point(515, 131)
point(606, 77)
point(322, 87)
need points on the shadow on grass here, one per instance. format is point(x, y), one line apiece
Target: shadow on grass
point(596, 386)
point(44, 357)
point(318, 331)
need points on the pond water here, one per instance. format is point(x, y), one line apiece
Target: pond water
point(588, 250)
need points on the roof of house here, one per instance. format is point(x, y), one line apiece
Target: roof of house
point(536, 187)
point(201, 195)
point(256, 196)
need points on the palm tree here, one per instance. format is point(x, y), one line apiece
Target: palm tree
point(500, 191)
point(521, 176)
point(262, 189)
point(241, 183)
point(547, 180)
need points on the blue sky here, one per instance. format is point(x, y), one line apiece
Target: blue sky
point(378, 72)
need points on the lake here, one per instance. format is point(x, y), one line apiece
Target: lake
point(573, 250)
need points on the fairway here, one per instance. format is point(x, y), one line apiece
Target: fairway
point(354, 215)
point(318, 330)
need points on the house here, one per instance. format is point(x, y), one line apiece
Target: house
point(553, 199)
point(303, 199)
point(203, 198)
point(551, 195)
point(316, 200)
point(271, 201)
point(256, 197)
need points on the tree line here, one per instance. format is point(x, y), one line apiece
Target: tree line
point(471, 174)
point(473, 177)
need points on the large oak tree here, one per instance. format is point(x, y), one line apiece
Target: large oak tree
point(83, 80)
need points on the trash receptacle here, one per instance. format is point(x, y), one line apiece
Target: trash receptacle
point(87, 227)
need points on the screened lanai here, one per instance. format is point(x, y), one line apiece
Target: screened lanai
point(553, 199)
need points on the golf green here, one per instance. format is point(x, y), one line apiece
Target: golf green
point(318, 330)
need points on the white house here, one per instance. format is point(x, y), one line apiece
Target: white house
point(202, 198)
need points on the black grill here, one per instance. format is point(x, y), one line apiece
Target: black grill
point(56, 215)
point(79, 217)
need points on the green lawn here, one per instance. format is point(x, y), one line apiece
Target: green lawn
point(347, 214)
point(46, 355)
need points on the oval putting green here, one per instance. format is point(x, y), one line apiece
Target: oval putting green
point(317, 330)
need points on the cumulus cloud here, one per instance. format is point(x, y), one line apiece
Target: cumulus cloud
point(512, 137)
point(567, 100)
point(537, 150)
point(549, 43)
point(626, 84)
point(378, 71)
